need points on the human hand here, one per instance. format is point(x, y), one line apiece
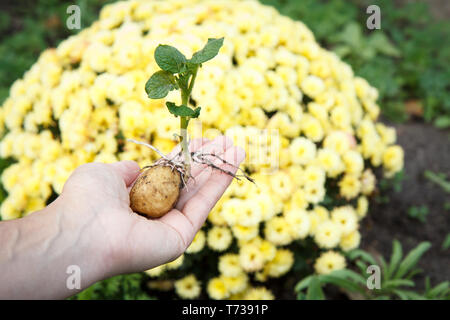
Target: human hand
point(96, 202)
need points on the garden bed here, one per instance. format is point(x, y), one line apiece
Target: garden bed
point(426, 148)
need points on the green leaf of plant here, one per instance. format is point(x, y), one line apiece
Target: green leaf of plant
point(358, 253)
point(446, 242)
point(341, 282)
point(159, 84)
point(442, 122)
point(407, 295)
point(440, 289)
point(361, 265)
point(381, 43)
point(314, 290)
point(182, 111)
point(397, 283)
point(396, 257)
point(209, 51)
point(170, 59)
point(411, 259)
point(439, 180)
point(412, 273)
point(383, 264)
point(303, 284)
point(191, 66)
point(349, 274)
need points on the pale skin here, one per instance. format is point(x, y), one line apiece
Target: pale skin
point(91, 225)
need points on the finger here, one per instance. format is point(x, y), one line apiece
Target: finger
point(180, 223)
point(198, 207)
point(194, 145)
point(151, 243)
point(218, 146)
point(128, 170)
point(200, 172)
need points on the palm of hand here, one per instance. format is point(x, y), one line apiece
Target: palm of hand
point(99, 193)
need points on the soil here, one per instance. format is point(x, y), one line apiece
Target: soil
point(426, 148)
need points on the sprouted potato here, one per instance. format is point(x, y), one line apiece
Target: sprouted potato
point(157, 189)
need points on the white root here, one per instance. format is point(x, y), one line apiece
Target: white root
point(176, 163)
point(149, 146)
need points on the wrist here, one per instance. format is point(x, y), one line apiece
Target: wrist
point(50, 255)
point(76, 239)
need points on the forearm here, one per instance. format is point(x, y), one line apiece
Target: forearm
point(36, 252)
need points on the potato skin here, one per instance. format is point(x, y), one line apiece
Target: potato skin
point(155, 191)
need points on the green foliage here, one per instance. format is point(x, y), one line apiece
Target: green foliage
point(179, 73)
point(385, 185)
point(25, 32)
point(123, 287)
point(439, 292)
point(396, 277)
point(446, 243)
point(439, 179)
point(170, 59)
point(405, 60)
point(159, 84)
point(418, 213)
point(182, 111)
point(209, 51)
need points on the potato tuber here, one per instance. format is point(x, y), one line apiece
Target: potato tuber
point(156, 191)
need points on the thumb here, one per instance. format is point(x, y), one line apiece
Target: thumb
point(128, 170)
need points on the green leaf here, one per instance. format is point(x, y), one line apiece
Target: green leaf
point(438, 179)
point(361, 265)
point(314, 290)
point(170, 59)
point(159, 84)
point(383, 264)
point(358, 253)
point(349, 274)
point(209, 51)
point(383, 297)
point(446, 243)
point(191, 67)
point(382, 44)
point(183, 111)
point(411, 259)
point(397, 283)
point(338, 279)
point(303, 284)
point(413, 273)
point(408, 295)
point(440, 289)
point(396, 257)
point(442, 122)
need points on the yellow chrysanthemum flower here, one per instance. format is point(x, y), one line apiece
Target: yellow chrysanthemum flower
point(229, 265)
point(277, 231)
point(329, 261)
point(217, 289)
point(219, 238)
point(188, 287)
point(198, 243)
point(328, 234)
point(259, 293)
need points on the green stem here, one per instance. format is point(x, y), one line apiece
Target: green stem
point(191, 84)
point(184, 143)
point(184, 122)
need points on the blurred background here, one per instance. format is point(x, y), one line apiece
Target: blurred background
point(407, 61)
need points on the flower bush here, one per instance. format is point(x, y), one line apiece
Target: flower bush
point(308, 124)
